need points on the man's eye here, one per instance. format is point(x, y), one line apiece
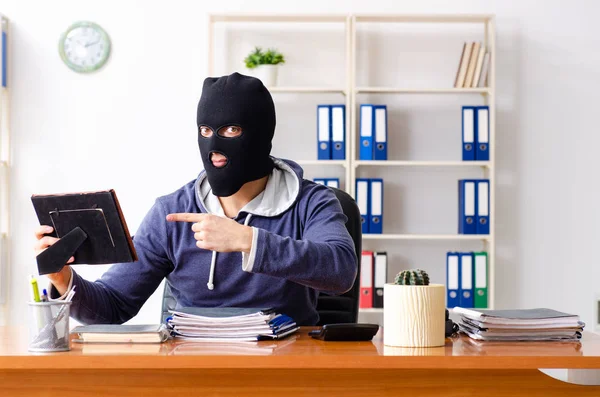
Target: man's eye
point(231, 131)
point(205, 132)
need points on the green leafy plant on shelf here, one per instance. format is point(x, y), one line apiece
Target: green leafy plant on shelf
point(259, 57)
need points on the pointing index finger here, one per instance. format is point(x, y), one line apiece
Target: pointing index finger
point(184, 217)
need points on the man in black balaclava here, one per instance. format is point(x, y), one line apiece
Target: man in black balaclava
point(235, 101)
point(249, 231)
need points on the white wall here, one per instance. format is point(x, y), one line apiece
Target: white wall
point(131, 127)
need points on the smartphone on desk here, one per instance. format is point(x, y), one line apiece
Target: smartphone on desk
point(345, 332)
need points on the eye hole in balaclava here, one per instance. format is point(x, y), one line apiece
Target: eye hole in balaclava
point(218, 159)
point(241, 110)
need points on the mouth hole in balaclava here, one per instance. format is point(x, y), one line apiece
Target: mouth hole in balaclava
point(218, 159)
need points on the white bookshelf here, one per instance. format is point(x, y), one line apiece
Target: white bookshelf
point(5, 164)
point(424, 18)
point(487, 23)
point(308, 90)
point(338, 163)
point(352, 92)
point(376, 310)
point(278, 18)
point(396, 163)
point(398, 90)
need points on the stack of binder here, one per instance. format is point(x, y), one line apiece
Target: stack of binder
point(373, 276)
point(476, 133)
point(373, 132)
point(229, 324)
point(331, 132)
point(369, 197)
point(474, 206)
point(467, 279)
point(330, 182)
point(519, 325)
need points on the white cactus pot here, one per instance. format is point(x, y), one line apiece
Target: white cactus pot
point(414, 315)
point(267, 74)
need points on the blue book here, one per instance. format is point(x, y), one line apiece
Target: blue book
point(376, 206)
point(380, 147)
point(466, 279)
point(483, 207)
point(4, 54)
point(367, 123)
point(482, 117)
point(332, 182)
point(452, 280)
point(324, 132)
point(362, 200)
point(467, 203)
point(468, 133)
point(338, 132)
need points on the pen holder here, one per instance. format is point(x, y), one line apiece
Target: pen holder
point(49, 326)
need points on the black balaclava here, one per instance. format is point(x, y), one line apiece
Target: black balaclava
point(245, 102)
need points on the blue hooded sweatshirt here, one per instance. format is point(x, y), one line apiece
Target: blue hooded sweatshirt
point(300, 247)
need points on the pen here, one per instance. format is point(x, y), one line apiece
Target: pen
point(44, 296)
point(36, 292)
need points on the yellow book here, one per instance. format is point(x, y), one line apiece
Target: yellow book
point(472, 64)
point(478, 67)
point(462, 66)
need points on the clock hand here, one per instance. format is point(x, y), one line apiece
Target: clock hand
point(91, 44)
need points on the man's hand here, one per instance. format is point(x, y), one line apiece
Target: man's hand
point(216, 233)
point(61, 279)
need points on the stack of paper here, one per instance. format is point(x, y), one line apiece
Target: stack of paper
point(519, 325)
point(225, 324)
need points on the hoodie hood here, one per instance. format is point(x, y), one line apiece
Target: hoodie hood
point(281, 192)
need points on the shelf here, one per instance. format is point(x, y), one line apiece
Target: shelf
point(380, 310)
point(454, 18)
point(399, 90)
point(384, 236)
point(322, 162)
point(382, 163)
point(279, 18)
point(371, 310)
point(309, 90)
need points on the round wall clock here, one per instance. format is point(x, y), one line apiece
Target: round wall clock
point(84, 47)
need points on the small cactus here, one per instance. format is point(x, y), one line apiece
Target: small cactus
point(412, 277)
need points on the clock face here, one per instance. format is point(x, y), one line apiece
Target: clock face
point(84, 47)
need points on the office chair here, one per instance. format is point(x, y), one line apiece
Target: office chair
point(331, 309)
point(344, 308)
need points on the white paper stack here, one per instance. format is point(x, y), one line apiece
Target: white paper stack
point(231, 324)
point(519, 325)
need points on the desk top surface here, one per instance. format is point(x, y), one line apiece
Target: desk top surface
point(301, 351)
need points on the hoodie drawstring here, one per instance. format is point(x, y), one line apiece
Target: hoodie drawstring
point(213, 261)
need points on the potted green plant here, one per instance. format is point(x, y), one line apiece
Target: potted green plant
point(264, 64)
point(414, 311)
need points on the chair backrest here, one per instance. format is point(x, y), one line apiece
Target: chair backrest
point(332, 309)
point(344, 308)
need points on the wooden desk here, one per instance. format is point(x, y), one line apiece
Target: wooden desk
point(293, 367)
